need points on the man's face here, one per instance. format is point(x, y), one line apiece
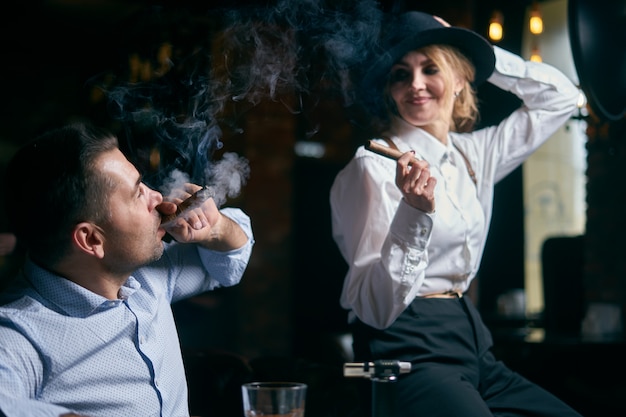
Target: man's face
point(133, 234)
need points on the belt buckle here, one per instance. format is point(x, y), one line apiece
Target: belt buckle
point(456, 293)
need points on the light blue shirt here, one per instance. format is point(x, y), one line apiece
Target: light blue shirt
point(64, 348)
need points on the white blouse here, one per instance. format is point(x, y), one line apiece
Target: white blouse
point(396, 252)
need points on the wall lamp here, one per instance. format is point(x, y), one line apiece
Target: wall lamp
point(495, 26)
point(535, 54)
point(535, 22)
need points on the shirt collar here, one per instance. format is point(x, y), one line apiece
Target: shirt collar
point(70, 297)
point(426, 146)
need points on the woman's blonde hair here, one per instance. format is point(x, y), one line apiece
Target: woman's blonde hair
point(453, 64)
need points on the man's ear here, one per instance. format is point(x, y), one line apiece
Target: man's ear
point(88, 238)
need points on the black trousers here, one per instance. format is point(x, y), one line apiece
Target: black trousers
point(454, 372)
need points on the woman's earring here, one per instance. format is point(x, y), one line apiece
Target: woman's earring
point(456, 94)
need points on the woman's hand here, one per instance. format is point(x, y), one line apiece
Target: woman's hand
point(414, 181)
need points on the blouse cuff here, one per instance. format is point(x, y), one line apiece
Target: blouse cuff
point(412, 226)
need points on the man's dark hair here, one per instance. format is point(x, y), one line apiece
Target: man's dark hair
point(52, 186)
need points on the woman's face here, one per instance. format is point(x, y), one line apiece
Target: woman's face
point(418, 88)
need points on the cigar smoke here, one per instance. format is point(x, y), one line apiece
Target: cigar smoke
point(225, 61)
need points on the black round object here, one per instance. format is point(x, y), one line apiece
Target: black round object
point(597, 30)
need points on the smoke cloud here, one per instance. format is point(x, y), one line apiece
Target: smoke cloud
point(239, 56)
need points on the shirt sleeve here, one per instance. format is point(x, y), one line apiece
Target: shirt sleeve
point(549, 99)
point(383, 240)
point(192, 269)
point(24, 407)
point(228, 267)
point(21, 375)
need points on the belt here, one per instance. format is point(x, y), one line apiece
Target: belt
point(445, 294)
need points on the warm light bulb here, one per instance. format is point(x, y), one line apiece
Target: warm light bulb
point(536, 22)
point(495, 27)
point(536, 25)
point(535, 55)
point(155, 158)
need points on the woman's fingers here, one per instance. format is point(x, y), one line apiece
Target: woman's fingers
point(414, 181)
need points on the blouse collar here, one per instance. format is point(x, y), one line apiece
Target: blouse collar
point(425, 145)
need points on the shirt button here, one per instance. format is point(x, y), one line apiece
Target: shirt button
point(142, 340)
point(423, 232)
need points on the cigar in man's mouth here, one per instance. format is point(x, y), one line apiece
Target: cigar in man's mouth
point(196, 198)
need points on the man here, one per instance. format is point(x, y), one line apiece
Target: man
point(87, 328)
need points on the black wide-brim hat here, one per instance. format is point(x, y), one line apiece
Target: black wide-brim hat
point(413, 30)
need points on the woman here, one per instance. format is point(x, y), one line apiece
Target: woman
point(413, 230)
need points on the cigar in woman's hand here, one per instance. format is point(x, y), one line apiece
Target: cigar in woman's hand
point(386, 151)
point(196, 198)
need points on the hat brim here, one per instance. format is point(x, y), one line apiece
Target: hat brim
point(473, 46)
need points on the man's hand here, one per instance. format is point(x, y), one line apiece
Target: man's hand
point(202, 223)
